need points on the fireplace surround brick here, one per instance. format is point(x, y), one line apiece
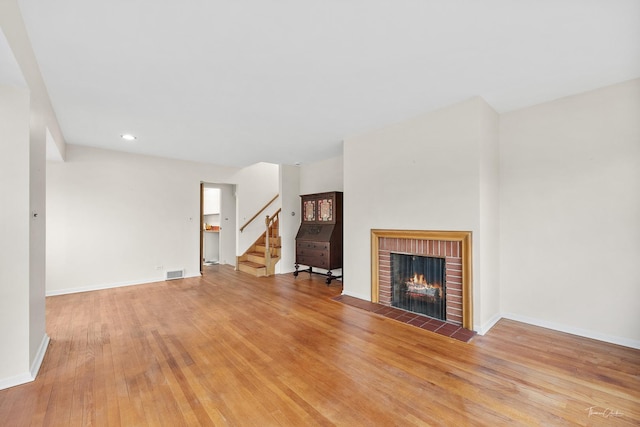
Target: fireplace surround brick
point(449, 250)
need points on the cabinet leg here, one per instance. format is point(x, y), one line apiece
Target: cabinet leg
point(295, 273)
point(328, 281)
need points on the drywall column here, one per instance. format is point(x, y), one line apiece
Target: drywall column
point(38, 339)
point(289, 217)
point(14, 236)
point(487, 299)
point(26, 117)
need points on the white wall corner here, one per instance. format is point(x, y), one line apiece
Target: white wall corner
point(356, 295)
point(54, 152)
point(486, 326)
point(37, 361)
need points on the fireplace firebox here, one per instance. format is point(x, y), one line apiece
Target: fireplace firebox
point(418, 284)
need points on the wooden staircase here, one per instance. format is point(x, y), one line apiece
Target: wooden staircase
point(261, 258)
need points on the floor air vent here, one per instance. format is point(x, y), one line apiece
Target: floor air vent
point(174, 274)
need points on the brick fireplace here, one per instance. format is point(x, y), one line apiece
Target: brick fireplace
point(452, 246)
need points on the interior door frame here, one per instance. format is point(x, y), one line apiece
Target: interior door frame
point(201, 227)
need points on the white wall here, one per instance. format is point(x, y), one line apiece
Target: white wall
point(256, 185)
point(570, 214)
point(14, 236)
point(114, 218)
point(421, 174)
point(228, 226)
point(22, 236)
point(211, 201)
point(37, 237)
point(290, 216)
point(322, 176)
point(488, 238)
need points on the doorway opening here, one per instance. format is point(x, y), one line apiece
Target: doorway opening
point(217, 225)
point(211, 226)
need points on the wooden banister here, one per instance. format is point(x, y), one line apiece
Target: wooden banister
point(269, 221)
point(258, 213)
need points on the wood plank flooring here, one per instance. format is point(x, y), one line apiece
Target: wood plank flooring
point(229, 349)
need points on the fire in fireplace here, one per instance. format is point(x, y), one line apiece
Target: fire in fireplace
point(418, 284)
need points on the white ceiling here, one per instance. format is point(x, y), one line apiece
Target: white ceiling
point(285, 81)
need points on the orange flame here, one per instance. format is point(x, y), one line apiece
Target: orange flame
point(420, 280)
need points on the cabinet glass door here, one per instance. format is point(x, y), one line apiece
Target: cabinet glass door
point(325, 210)
point(309, 213)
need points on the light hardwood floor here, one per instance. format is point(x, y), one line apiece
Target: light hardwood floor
point(230, 349)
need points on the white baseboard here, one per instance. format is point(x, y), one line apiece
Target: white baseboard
point(355, 295)
point(626, 342)
point(284, 270)
point(37, 361)
point(484, 328)
point(16, 380)
point(109, 286)
point(27, 377)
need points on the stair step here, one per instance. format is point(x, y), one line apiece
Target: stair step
point(252, 268)
point(262, 249)
point(252, 264)
point(256, 257)
point(254, 260)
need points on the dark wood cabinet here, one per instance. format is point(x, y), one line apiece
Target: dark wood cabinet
point(319, 239)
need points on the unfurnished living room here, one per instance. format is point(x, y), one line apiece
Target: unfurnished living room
point(354, 213)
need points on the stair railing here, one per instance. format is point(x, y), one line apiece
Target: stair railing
point(269, 223)
point(258, 213)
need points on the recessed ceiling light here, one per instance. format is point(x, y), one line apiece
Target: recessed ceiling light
point(128, 137)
